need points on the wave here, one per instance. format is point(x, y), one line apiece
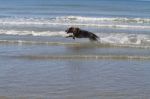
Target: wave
point(75, 44)
point(108, 19)
point(77, 18)
point(33, 33)
point(114, 57)
point(123, 38)
point(21, 42)
point(117, 22)
point(105, 38)
point(111, 38)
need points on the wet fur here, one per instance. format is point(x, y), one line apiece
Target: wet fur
point(79, 33)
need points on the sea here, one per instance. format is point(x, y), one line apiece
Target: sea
point(37, 61)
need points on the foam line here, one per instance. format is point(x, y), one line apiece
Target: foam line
point(75, 44)
point(116, 22)
point(110, 38)
point(95, 57)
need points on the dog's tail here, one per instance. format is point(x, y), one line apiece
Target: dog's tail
point(93, 37)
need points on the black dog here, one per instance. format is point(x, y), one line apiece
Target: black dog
point(78, 33)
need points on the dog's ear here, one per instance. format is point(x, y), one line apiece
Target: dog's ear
point(70, 30)
point(76, 30)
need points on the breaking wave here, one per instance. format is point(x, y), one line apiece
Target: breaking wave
point(103, 19)
point(33, 33)
point(105, 38)
point(99, 44)
point(116, 22)
point(38, 26)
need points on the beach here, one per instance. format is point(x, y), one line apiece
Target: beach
point(37, 61)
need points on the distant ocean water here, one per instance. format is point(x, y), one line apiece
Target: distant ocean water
point(38, 62)
point(110, 19)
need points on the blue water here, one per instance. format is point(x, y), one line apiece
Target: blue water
point(98, 8)
point(45, 17)
point(38, 62)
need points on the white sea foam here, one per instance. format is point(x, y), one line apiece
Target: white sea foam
point(77, 18)
point(123, 38)
point(115, 19)
point(109, 38)
point(139, 23)
point(20, 26)
point(114, 57)
point(33, 33)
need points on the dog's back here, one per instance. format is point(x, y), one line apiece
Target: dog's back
point(87, 34)
point(93, 37)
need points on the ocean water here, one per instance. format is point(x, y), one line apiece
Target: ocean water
point(37, 61)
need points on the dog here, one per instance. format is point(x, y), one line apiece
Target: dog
point(79, 33)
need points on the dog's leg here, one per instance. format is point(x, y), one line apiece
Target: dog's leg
point(73, 37)
point(69, 36)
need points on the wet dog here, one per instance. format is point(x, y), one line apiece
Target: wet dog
point(79, 33)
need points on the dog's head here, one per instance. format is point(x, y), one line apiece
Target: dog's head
point(72, 30)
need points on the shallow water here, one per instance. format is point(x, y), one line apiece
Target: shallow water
point(46, 78)
point(38, 62)
point(72, 70)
